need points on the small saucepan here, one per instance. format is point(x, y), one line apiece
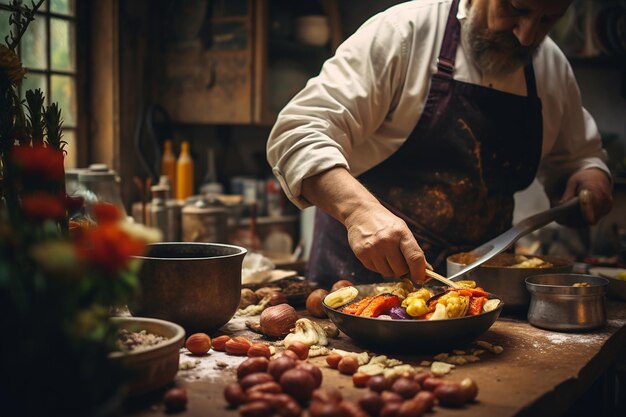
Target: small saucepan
point(567, 302)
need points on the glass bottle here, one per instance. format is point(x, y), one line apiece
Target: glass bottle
point(209, 183)
point(168, 165)
point(99, 184)
point(184, 173)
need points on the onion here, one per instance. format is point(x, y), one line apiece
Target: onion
point(277, 321)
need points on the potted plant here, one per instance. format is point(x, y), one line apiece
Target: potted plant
point(58, 278)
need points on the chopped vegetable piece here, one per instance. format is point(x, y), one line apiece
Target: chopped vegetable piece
point(357, 307)
point(476, 305)
point(466, 283)
point(491, 305)
point(417, 307)
point(399, 313)
point(454, 305)
point(381, 304)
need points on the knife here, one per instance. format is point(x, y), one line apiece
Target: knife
point(580, 205)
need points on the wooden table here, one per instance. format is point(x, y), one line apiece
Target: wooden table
point(539, 373)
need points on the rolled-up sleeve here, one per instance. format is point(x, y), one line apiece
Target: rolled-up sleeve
point(337, 110)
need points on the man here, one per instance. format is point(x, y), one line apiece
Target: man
point(417, 133)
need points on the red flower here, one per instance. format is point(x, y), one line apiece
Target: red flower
point(43, 206)
point(106, 213)
point(39, 161)
point(74, 203)
point(108, 247)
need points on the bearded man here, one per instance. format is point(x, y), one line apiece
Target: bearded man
point(414, 137)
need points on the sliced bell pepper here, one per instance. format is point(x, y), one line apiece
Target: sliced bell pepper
point(476, 305)
point(380, 304)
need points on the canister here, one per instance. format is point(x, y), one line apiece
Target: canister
point(205, 221)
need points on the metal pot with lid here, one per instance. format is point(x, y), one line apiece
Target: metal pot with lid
point(205, 220)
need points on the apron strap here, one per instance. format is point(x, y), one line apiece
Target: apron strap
point(531, 85)
point(447, 54)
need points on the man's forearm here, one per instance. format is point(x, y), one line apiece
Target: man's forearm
point(338, 193)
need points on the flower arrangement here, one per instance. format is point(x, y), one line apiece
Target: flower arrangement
point(58, 278)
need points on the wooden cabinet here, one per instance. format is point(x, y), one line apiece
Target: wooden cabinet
point(244, 62)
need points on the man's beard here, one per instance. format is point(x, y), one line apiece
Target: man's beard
point(494, 53)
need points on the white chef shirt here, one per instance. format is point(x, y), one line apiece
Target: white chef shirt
point(368, 98)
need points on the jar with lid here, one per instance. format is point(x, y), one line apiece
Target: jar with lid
point(205, 220)
point(99, 184)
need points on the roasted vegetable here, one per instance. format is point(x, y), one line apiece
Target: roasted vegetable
point(466, 283)
point(398, 313)
point(340, 297)
point(450, 305)
point(422, 293)
point(416, 307)
point(476, 305)
point(381, 304)
point(357, 307)
point(401, 288)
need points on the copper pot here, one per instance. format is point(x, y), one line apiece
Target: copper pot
point(197, 285)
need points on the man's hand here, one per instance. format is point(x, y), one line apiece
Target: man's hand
point(384, 243)
point(378, 238)
point(597, 183)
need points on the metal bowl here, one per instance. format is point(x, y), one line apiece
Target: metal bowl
point(508, 282)
point(556, 304)
point(383, 335)
point(152, 367)
point(197, 285)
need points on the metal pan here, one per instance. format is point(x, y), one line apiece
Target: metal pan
point(413, 336)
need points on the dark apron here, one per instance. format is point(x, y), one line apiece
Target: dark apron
point(452, 181)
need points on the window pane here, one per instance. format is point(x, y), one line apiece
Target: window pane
point(62, 35)
point(4, 25)
point(33, 82)
point(69, 135)
point(64, 93)
point(33, 44)
point(62, 6)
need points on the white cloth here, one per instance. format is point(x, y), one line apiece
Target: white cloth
point(368, 98)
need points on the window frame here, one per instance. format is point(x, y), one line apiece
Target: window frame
point(78, 22)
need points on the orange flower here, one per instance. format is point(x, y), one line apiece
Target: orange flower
point(39, 162)
point(109, 247)
point(43, 206)
point(106, 213)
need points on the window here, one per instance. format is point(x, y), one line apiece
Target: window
point(48, 52)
